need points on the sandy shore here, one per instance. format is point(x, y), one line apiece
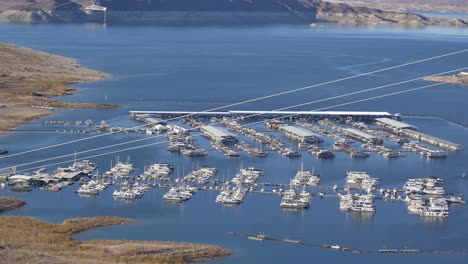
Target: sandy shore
point(28, 80)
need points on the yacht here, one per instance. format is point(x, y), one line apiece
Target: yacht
point(290, 203)
point(363, 203)
point(194, 152)
point(3, 151)
point(359, 154)
point(86, 166)
point(455, 199)
point(259, 154)
point(439, 191)
point(293, 200)
point(346, 201)
point(436, 154)
point(303, 177)
point(173, 197)
point(392, 154)
point(259, 237)
point(290, 153)
point(124, 194)
point(88, 191)
point(325, 154)
point(177, 146)
point(437, 207)
point(416, 206)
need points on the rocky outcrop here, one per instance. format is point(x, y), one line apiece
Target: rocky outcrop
point(345, 14)
point(216, 12)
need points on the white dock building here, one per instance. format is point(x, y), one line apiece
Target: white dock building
point(300, 134)
point(218, 134)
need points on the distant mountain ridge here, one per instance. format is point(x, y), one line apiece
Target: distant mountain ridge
point(214, 12)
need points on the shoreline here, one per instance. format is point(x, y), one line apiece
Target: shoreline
point(30, 78)
point(54, 243)
point(10, 203)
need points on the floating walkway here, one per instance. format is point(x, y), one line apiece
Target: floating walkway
point(263, 237)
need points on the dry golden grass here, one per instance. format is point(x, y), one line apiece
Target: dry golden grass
point(25, 240)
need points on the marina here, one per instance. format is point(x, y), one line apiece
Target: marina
point(423, 196)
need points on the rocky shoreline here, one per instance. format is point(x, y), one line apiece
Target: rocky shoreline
point(234, 12)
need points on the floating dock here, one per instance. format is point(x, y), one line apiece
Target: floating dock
point(265, 238)
point(403, 129)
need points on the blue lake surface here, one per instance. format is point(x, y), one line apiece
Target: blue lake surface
point(199, 68)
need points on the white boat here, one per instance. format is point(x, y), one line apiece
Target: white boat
point(359, 154)
point(436, 154)
point(325, 154)
point(363, 203)
point(124, 194)
point(194, 152)
point(259, 237)
point(392, 154)
point(88, 191)
point(439, 191)
point(346, 201)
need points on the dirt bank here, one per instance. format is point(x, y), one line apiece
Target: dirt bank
point(28, 80)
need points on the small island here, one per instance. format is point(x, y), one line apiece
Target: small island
point(28, 80)
point(461, 78)
point(10, 203)
point(26, 240)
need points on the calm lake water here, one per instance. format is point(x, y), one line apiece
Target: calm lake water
point(197, 68)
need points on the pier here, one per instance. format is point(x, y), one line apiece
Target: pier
point(338, 248)
point(403, 129)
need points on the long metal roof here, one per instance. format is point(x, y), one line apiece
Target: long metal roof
point(393, 123)
point(360, 133)
point(343, 113)
point(216, 131)
point(179, 113)
point(245, 112)
point(154, 121)
point(298, 131)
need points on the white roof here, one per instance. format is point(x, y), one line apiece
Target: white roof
point(179, 113)
point(154, 121)
point(216, 131)
point(393, 123)
point(20, 177)
point(69, 175)
point(360, 133)
point(243, 112)
point(343, 113)
point(436, 138)
point(298, 131)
